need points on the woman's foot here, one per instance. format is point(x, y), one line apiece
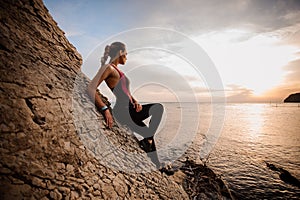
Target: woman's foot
point(147, 144)
point(144, 144)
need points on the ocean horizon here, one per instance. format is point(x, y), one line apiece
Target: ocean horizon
point(249, 136)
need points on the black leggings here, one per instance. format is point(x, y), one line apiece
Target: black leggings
point(134, 120)
point(127, 115)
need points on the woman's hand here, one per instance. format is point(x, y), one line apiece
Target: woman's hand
point(109, 118)
point(138, 107)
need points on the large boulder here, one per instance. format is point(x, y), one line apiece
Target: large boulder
point(47, 121)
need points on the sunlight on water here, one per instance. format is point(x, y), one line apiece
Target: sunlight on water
point(255, 121)
point(252, 135)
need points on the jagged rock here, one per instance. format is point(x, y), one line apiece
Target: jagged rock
point(54, 144)
point(293, 98)
point(284, 175)
point(41, 153)
point(200, 182)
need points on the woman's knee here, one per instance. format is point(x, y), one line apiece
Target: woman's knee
point(158, 107)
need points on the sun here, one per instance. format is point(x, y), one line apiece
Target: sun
point(243, 58)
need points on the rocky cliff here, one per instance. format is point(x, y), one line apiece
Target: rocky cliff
point(293, 98)
point(54, 144)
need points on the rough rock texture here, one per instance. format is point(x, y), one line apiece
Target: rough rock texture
point(284, 175)
point(54, 144)
point(202, 183)
point(42, 154)
point(293, 98)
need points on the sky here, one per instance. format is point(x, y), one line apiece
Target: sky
point(252, 44)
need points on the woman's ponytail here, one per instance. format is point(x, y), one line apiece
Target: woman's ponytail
point(105, 55)
point(112, 51)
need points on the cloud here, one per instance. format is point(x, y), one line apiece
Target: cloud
point(293, 69)
point(188, 16)
point(290, 83)
point(199, 16)
point(238, 93)
point(87, 23)
point(291, 35)
point(99, 20)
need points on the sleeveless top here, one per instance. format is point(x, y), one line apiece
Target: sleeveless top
point(121, 90)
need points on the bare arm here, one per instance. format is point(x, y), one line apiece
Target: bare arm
point(101, 75)
point(138, 107)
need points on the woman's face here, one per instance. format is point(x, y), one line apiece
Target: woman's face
point(123, 57)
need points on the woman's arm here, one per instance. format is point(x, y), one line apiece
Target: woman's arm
point(101, 75)
point(138, 107)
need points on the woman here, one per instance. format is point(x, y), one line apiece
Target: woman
point(127, 110)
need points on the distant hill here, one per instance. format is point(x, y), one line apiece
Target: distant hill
point(293, 98)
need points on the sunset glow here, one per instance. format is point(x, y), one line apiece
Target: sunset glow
point(255, 63)
point(253, 44)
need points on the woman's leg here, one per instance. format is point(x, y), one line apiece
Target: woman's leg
point(136, 124)
point(154, 110)
point(148, 143)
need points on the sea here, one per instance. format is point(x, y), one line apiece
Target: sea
point(237, 140)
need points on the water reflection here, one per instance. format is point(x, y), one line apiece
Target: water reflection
point(253, 134)
point(255, 120)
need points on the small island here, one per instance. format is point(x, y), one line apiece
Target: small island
point(292, 98)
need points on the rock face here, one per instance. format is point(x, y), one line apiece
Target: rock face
point(293, 98)
point(54, 144)
point(43, 155)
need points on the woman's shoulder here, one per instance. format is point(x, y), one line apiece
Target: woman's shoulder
point(107, 67)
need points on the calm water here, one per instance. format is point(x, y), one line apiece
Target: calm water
point(251, 135)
